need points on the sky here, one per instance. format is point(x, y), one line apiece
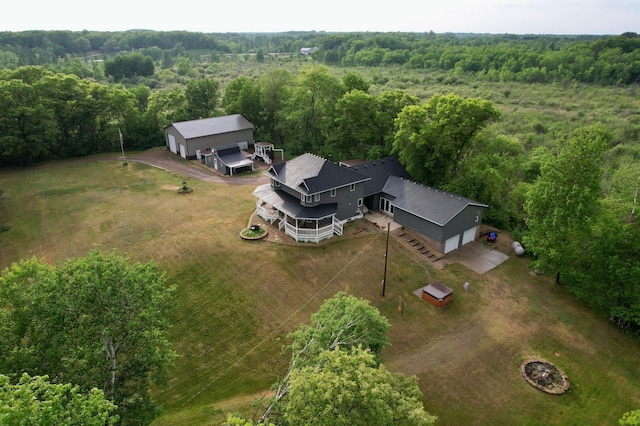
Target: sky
point(594, 17)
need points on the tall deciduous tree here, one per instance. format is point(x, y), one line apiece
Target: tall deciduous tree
point(276, 86)
point(36, 401)
point(490, 174)
point(202, 98)
point(244, 96)
point(563, 202)
point(350, 388)
point(95, 321)
point(433, 138)
point(364, 124)
point(342, 322)
point(310, 111)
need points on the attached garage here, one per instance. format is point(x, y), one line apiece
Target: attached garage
point(451, 243)
point(447, 221)
point(469, 235)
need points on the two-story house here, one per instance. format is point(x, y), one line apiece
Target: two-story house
point(311, 197)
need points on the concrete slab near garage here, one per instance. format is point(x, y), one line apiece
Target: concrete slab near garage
point(475, 256)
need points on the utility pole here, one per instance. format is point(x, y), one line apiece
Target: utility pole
point(386, 256)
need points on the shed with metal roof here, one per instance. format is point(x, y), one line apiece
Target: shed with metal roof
point(187, 138)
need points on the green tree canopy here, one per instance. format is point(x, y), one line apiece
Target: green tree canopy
point(632, 418)
point(95, 321)
point(343, 322)
point(202, 97)
point(36, 401)
point(562, 203)
point(433, 138)
point(350, 388)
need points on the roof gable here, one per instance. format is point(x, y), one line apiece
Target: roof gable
point(432, 204)
point(212, 126)
point(311, 174)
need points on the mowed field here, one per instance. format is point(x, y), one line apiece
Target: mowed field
point(237, 299)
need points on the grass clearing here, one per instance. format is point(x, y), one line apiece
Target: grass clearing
point(238, 299)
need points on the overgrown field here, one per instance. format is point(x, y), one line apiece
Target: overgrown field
point(238, 299)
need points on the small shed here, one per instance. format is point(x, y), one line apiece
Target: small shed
point(438, 294)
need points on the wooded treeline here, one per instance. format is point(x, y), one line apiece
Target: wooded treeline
point(528, 58)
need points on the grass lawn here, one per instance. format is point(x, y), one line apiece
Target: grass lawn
point(238, 299)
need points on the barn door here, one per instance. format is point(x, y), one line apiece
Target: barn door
point(172, 144)
point(183, 151)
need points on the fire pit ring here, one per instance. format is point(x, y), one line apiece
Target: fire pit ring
point(543, 375)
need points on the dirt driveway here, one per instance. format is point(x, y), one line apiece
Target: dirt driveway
point(193, 169)
point(160, 158)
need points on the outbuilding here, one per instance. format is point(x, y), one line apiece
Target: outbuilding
point(438, 294)
point(191, 138)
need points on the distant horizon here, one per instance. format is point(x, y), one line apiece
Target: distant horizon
point(328, 32)
point(524, 17)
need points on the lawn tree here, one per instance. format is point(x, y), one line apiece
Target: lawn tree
point(95, 321)
point(563, 202)
point(36, 401)
point(349, 387)
point(432, 139)
point(342, 322)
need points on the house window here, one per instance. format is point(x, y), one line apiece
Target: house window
point(316, 197)
point(359, 202)
point(333, 192)
point(352, 187)
point(308, 198)
point(477, 216)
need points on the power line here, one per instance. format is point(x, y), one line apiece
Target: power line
point(270, 334)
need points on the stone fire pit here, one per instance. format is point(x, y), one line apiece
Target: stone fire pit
point(543, 375)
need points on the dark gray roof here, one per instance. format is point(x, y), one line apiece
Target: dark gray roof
point(291, 205)
point(231, 156)
point(432, 204)
point(379, 171)
point(311, 174)
point(212, 126)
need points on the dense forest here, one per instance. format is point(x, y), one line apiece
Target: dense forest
point(368, 95)
point(532, 58)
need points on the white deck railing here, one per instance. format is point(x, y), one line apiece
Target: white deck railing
point(268, 214)
point(312, 235)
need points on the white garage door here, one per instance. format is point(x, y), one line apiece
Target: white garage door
point(172, 144)
point(451, 243)
point(183, 152)
point(469, 235)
